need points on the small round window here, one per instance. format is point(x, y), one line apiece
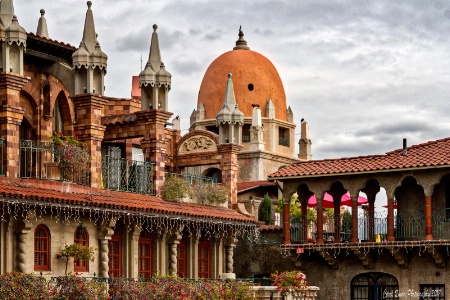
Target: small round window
point(250, 87)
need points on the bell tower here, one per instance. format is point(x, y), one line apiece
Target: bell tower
point(154, 80)
point(89, 61)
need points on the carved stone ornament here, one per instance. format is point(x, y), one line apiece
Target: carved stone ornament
point(198, 144)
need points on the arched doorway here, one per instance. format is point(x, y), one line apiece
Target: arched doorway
point(374, 286)
point(215, 174)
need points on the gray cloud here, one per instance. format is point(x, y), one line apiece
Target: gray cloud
point(364, 74)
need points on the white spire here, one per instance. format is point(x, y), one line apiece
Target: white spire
point(42, 25)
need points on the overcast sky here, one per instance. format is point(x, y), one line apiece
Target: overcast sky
point(364, 74)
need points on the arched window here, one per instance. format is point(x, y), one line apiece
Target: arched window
point(58, 119)
point(41, 248)
point(145, 254)
point(181, 257)
point(215, 173)
point(81, 237)
point(374, 285)
point(204, 253)
point(115, 252)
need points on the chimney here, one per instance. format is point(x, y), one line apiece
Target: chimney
point(405, 148)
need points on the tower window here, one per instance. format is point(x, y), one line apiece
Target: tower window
point(250, 87)
point(283, 137)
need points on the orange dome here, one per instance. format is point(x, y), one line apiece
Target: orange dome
point(255, 81)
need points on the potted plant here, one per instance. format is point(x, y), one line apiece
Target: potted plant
point(76, 251)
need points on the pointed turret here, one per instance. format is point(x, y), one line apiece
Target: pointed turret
point(155, 81)
point(6, 13)
point(14, 41)
point(270, 109)
point(305, 142)
point(290, 115)
point(230, 119)
point(89, 61)
point(42, 25)
point(241, 44)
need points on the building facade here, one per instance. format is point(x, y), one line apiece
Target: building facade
point(80, 167)
point(392, 251)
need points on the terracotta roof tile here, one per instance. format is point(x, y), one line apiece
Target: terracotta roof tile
point(248, 185)
point(119, 119)
point(23, 189)
point(51, 40)
point(430, 154)
point(263, 228)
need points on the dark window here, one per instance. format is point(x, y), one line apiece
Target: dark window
point(214, 129)
point(283, 136)
point(204, 253)
point(246, 133)
point(81, 237)
point(58, 121)
point(145, 255)
point(374, 286)
point(181, 257)
point(432, 291)
point(250, 87)
point(41, 248)
point(115, 253)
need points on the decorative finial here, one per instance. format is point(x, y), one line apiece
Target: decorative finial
point(229, 75)
point(42, 12)
point(89, 4)
point(155, 27)
point(241, 44)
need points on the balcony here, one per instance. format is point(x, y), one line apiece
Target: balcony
point(192, 178)
point(409, 225)
point(47, 160)
point(125, 175)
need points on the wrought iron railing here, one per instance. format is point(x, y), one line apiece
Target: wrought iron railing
point(121, 174)
point(2, 157)
point(441, 223)
point(246, 139)
point(283, 142)
point(409, 225)
point(47, 160)
point(193, 179)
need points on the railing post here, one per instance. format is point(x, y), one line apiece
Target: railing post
point(428, 219)
point(390, 220)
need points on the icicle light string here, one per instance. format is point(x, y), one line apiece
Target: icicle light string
point(161, 223)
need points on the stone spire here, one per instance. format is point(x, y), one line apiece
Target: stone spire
point(230, 119)
point(6, 12)
point(88, 58)
point(13, 39)
point(42, 25)
point(256, 130)
point(89, 35)
point(304, 142)
point(241, 44)
point(155, 81)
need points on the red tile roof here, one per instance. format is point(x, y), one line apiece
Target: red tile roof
point(248, 185)
point(51, 40)
point(32, 190)
point(119, 119)
point(428, 155)
point(263, 228)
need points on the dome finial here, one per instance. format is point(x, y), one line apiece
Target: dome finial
point(155, 27)
point(241, 44)
point(229, 75)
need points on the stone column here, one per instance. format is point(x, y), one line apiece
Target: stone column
point(428, 219)
point(319, 219)
point(160, 253)
point(371, 226)
point(90, 130)
point(23, 236)
point(355, 238)
point(104, 235)
point(11, 115)
point(229, 167)
point(286, 222)
point(390, 220)
point(173, 242)
point(134, 251)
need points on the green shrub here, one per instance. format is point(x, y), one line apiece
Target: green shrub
point(265, 210)
point(176, 188)
point(210, 194)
